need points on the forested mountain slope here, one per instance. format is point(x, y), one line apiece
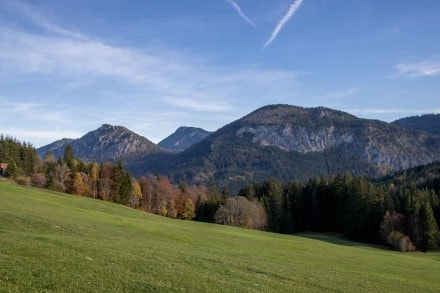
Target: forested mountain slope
point(289, 142)
point(428, 122)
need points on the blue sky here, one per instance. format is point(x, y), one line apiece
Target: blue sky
point(66, 67)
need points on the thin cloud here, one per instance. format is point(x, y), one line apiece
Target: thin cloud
point(290, 13)
point(198, 105)
point(242, 15)
point(72, 66)
point(417, 69)
point(32, 15)
point(375, 111)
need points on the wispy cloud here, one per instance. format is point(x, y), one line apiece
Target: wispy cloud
point(29, 13)
point(376, 111)
point(325, 5)
point(18, 107)
point(289, 14)
point(198, 105)
point(241, 13)
point(417, 69)
point(100, 81)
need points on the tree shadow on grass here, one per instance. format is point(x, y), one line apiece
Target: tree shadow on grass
point(339, 239)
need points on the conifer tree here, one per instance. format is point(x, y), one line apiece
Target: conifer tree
point(429, 234)
point(68, 156)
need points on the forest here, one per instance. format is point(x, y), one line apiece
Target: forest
point(401, 210)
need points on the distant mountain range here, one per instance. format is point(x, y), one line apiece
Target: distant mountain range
point(282, 141)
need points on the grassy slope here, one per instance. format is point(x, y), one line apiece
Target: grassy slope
point(55, 242)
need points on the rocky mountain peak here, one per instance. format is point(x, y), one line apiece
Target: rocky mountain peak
point(183, 138)
point(108, 143)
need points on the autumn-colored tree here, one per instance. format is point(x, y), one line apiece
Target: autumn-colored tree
point(392, 221)
point(39, 180)
point(172, 211)
point(164, 191)
point(163, 209)
point(146, 184)
point(136, 193)
point(60, 176)
point(105, 181)
point(94, 177)
point(78, 185)
point(188, 212)
point(240, 212)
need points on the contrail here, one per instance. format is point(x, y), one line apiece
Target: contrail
point(325, 5)
point(242, 15)
point(292, 9)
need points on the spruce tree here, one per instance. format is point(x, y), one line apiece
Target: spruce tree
point(429, 234)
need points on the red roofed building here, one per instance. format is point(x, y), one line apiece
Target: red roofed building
point(3, 167)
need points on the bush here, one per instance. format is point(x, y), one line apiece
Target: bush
point(400, 242)
point(23, 180)
point(39, 180)
point(240, 212)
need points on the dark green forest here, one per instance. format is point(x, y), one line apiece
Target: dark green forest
point(401, 210)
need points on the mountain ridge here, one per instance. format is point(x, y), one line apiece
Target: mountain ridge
point(426, 122)
point(290, 142)
point(107, 143)
point(286, 142)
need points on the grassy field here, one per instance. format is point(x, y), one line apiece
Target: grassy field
point(55, 242)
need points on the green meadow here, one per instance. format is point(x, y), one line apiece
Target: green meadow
point(53, 242)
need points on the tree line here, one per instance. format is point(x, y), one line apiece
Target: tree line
point(105, 181)
point(402, 210)
point(406, 217)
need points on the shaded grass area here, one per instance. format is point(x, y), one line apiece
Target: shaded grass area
point(55, 242)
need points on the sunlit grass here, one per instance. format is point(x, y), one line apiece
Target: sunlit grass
point(55, 242)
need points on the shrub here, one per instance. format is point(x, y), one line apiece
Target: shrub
point(23, 180)
point(400, 242)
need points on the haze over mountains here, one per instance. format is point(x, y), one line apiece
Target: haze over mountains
point(282, 141)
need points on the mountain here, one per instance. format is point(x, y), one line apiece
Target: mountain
point(183, 138)
point(56, 148)
point(289, 142)
point(281, 141)
point(428, 122)
point(106, 144)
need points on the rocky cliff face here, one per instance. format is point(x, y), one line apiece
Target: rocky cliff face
point(388, 147)
point(183, 138)
point(297, 138)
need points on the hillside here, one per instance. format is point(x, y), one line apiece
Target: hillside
point(428, 122)
point(289, 142)
point(183, 138)
point(106, 144)
point(56, 242)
